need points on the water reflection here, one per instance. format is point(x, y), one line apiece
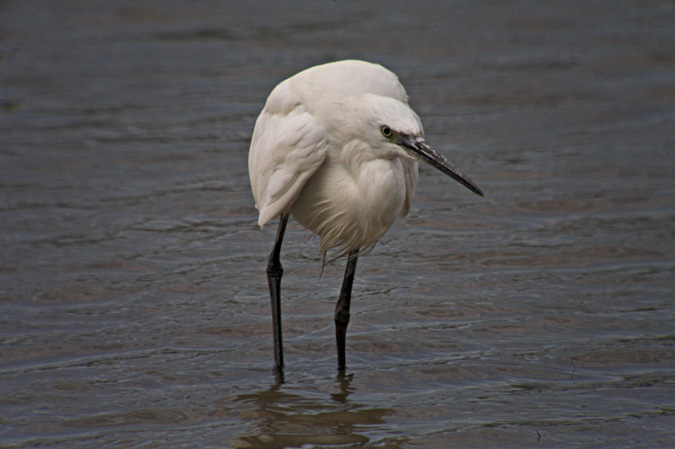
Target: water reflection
point(294, 415)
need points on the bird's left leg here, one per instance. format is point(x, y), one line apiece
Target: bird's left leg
point(274, 273)
point(342, 308)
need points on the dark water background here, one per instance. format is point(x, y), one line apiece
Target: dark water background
point(134, 310)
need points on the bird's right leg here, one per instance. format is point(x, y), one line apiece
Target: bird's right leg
point(274, 273)
point(342, 309)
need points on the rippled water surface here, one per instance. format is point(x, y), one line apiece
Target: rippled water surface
point(133, 300)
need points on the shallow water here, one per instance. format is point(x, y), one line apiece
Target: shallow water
point(134, 309)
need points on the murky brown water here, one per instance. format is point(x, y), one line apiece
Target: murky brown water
point(133, 301)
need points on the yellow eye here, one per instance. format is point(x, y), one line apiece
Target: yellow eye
point(386, 131)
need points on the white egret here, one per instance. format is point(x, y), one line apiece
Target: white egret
point(337, 147)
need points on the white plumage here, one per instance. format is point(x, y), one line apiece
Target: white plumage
point(311, 153)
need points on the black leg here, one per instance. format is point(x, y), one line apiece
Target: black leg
point(274, 273)
point(342, 308)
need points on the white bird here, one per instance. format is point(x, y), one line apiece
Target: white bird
point(337, 147)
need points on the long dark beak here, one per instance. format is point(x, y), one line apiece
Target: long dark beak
point(420, 149)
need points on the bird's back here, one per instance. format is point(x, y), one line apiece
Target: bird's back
point(338, 80)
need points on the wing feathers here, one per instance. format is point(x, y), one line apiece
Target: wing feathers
point(286, 149)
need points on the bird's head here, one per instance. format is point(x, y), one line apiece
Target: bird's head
point(393, 129)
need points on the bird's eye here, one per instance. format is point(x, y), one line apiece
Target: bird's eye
point(386, 131)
